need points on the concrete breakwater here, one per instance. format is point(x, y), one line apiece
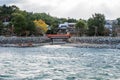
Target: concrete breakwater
point(96, 40)
point(90, 40)
point(22, 40)
point(82, 42)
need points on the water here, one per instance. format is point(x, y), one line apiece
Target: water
point(55, 62)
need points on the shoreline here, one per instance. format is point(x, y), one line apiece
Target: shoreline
point(77, 45)
point(100, 46)
point(79, 42)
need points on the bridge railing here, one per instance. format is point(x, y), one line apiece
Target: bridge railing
point(60, 36)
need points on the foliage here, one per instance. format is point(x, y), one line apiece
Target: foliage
point(23, 22)
point(19, 22)
point(31, 27)
point(91, 27)
point(42, 25)
point(6, 12)
point(71, 20)
point(118, 23)
point(96, 25)
point(81, 27)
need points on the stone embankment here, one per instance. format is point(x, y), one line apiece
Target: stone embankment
point(83, 42)
point(15, 40)
point(95, 40)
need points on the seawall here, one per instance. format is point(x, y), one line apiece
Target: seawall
point(95, 40)
point(81, 42)
point(17, 40)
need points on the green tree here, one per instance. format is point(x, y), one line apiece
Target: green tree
point(96, 25)
point(19, 22)
point(6, 11)
point(23, 25)
point(91, 27)
point(81, 27)
point(118, 19)
point(71, 20)
point(31, 27)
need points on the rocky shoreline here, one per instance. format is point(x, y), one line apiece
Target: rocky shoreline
point(81, 42)
point(23, 40)
point(95, 40)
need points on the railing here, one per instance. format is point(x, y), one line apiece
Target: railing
point(61, 36)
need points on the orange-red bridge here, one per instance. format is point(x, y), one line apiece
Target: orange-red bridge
point(59, 36)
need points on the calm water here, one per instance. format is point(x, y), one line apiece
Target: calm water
point(59, 63)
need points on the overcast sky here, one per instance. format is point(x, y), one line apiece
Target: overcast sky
point(69, 8)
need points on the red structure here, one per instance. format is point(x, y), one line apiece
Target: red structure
point(58, 36)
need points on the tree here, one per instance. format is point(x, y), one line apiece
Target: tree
point(71, 20)
point(91, 27)
point(118, 20)
point(96, 25)
point(23, 25)
point(81, 27)
point(19, 22)
point(31, 27)
point(41, 25)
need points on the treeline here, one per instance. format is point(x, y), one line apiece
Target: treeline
point(94, 26)
point(14, 21)
point(21, 23)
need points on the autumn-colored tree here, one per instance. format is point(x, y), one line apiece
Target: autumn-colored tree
point(41, 25)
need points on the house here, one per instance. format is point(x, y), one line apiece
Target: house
point(67, 28)
point(109, 24)
point(6, 23)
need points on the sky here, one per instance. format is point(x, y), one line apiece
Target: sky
point(78, 9)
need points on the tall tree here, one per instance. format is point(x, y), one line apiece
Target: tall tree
point(81, 27)
point(19, 22)
point(31, 27)
point(71, 20)
point(91, 27)
point(96, 25)
point(40, 24)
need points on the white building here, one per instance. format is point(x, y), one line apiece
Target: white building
point(68, 27)
point(109, 24)
point(6, 23)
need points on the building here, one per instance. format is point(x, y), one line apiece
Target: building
point(6, 23)
point(67, 28)
point(109, 24)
